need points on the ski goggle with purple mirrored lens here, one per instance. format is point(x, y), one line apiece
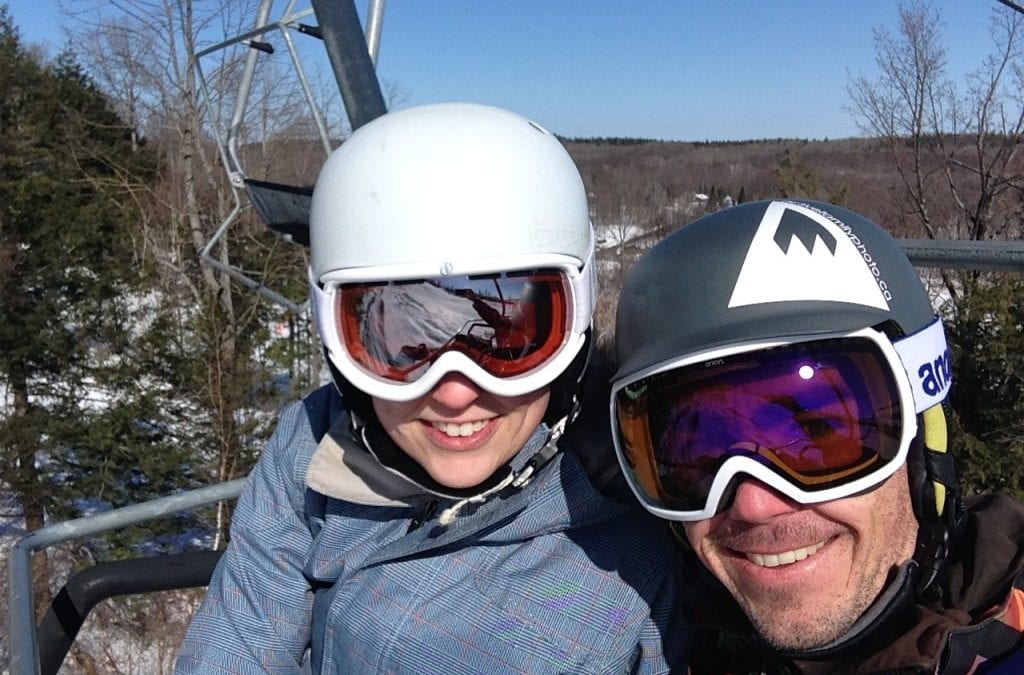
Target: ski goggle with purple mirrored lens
point(817, 420)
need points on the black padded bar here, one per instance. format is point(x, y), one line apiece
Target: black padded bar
point(91, 586)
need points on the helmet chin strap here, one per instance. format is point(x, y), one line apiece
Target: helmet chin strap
point(515, 480)
point(387, 452)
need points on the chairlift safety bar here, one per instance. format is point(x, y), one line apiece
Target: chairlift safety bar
point(21, 635)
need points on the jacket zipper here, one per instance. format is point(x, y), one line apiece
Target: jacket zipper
point(423, 516)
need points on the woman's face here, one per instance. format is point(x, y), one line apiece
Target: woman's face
point(460, 433)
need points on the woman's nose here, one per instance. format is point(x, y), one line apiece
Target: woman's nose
point(455, 391)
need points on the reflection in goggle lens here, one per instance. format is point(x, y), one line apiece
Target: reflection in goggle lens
point(508, 323)
point(817, 413)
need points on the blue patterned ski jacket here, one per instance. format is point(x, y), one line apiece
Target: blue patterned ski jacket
point(554, 578)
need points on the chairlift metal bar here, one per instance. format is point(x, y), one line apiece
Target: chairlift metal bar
point(1007, 256)
point(307, 91)
point(21, 611)
point(374, 23)
point(242, 99)
point(352, 54)
point(285, 21)
point(235, 273)
point(228, 144)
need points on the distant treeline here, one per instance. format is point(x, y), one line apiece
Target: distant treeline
point(628, 141)
point(756, 141)
point(610, 141)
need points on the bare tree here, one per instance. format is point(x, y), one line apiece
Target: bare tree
point(956, 151)
point(142, 52)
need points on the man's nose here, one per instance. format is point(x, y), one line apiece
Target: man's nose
point(755, 502)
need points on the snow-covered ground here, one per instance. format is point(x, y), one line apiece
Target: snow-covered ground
point(612, 236)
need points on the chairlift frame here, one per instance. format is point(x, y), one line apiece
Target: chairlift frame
point(285, 208)
point(352, 54)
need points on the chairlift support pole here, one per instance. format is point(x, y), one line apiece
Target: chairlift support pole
point(350, 57)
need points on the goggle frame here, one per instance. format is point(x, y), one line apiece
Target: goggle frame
point(902, 357)
point(580, 282)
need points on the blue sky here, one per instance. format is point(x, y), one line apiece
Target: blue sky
point(665, 69)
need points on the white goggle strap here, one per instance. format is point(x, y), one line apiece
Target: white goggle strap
point(926, 359)
point(323, 311)
point(584, 291)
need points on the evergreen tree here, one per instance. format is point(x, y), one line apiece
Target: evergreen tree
point(80, 425)
point(986, 330)
point(797, 178)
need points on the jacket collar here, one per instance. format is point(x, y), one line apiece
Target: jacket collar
point(344, 468)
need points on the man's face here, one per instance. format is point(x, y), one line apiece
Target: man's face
point(804, 574)
point(460, 433)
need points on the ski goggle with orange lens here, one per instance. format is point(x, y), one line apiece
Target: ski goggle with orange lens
point(507, 331)
point(818, 419)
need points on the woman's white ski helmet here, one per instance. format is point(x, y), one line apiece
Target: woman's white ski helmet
point(442, 190)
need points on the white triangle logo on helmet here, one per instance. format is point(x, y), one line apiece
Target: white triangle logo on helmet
point(798, 254)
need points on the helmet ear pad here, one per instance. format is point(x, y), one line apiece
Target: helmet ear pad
point(931, 469)
point(565, 389)
point(357, 402)
point(934, 494)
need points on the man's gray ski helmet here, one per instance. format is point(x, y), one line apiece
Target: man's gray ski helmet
point(764, 271)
